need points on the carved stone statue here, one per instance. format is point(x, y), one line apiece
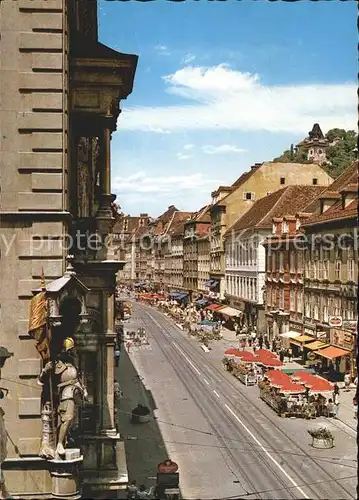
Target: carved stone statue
point(70, 393)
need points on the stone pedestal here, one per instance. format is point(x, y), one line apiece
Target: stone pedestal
point(104, 467)
point(65, 476)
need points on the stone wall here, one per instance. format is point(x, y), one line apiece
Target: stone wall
point(32, 205)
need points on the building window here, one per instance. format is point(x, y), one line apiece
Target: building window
point(282, 180)
point(281, 262)
point(315, 182)
point(292, 299)
point(351, 310)
point(350, 270)
point(338, 270)
point(299, 269)
point(273, 263)
point(269, 192)
point(300, 301)
point(249, 195)
point(284, 227)
point(268, 262)
point(292, 261)
point(337, 308)
point(281, 298)
point(269, 296)
point(325, 311)
point(316, 308)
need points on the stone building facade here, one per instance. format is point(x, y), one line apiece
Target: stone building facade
point(331, 271)
point(124, 244)
point(311, 276)
point(60, 94)
point(261, 180)
point(204, 262)
point(195, 228)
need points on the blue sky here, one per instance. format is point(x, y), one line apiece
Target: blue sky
point(220, 86)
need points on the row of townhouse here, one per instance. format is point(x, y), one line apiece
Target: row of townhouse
point(149, 256)
point(312, 273)
point(193, 260)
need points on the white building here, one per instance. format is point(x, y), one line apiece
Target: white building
point(245, 273)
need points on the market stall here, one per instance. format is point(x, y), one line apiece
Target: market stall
point(301, 395)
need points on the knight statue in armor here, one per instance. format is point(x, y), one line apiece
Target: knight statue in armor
point(69, 395)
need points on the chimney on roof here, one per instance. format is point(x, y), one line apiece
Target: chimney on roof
point(143, 215)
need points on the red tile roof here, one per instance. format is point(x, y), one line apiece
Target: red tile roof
point(346, 182)
point(349, 176)
point(335, 212)
point(176, 226)
point(277, 204)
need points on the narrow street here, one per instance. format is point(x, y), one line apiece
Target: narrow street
point(226, 441)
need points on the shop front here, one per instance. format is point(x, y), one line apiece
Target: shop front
point(299, 343)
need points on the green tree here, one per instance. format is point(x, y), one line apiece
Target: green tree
point(341, 152)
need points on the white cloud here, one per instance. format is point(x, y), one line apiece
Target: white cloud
point(224, 148)
point(188, 146)
point(182, 156)
point(188, 58)
point(141, 183)
point(226, 99)
point(163, 50)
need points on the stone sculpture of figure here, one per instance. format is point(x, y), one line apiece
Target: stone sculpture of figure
point(70, 391)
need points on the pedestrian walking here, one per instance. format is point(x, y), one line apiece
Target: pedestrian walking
point(347, 379)
point(260, 341)
point(330, 408)
point(336, 404)
point(290, 355)
point(281, 355)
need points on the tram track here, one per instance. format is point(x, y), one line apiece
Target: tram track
point(213, 372)
point(204, 405)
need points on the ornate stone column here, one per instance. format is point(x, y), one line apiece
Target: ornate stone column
point(107, 359)
point(105, 172)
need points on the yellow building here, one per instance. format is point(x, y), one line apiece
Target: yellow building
point(229, 204)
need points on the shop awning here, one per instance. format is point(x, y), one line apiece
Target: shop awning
point(213, 283)
point(332, 352)
point(215, 307)
point(182, 296)
point(290, 335)
point(229, 311)
point(208, 283)
point(314, 346)
point(301, 339)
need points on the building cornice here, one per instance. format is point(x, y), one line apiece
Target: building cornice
point(37, 216)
